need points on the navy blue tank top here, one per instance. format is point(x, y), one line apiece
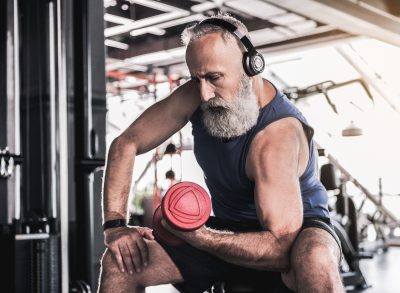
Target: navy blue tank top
point(223, 164)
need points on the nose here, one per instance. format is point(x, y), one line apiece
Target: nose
point(206, 91)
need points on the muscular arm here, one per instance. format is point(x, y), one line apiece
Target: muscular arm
point(153, 127)
point(277, 158)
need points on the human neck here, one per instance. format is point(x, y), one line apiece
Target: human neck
point(263, 90)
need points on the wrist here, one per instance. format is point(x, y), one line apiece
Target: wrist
point(115, 223)
point(198, 238)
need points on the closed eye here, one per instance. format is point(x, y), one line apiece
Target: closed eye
point(213, 77)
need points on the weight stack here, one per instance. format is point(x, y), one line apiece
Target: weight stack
point(31, 263)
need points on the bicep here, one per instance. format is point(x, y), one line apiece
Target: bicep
point(163, 119)
point(277, 188)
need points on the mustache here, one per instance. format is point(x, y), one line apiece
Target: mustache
point(215, 103)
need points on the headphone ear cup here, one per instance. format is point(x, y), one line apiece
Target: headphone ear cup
point(253, 63)
point(247, 64)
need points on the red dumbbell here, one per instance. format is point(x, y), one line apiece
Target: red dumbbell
point(186, 206)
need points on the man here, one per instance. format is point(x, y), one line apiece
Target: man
point(258, 158)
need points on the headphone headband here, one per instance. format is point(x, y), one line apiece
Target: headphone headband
point(232, 29)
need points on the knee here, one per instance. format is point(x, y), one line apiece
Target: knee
point(110, 275)
point(317, 257)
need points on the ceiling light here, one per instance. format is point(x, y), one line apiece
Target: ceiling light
point(148, 30)
point(172, 12)
point(303, 26)
point(287, 18)
point(108, 3)
point(285, 31)
point(264, 36)
point(157, 57)
point(159, 29)
point(117, 19)
point(115, 44)
point(156, 5)
point(120, 29)
point(352, 130)
point(203, 7)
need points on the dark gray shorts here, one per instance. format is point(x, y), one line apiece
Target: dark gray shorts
point(200, 270)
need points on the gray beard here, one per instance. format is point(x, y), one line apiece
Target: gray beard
point(224, 119)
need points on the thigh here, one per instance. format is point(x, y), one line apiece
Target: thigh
point(160, 269)
point(314, 251)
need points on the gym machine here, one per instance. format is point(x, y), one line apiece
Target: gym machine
point(346, 220)
point(46, 78)
point(30, 239)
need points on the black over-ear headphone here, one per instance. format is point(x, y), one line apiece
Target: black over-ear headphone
point(253, 62)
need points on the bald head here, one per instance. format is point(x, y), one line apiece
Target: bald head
point(213, 53)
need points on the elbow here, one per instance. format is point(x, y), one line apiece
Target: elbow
point(283, 250)
point(121, 149)
point(122, 144)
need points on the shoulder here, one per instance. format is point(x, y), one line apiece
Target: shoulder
point(278, 133)
point(279, 141)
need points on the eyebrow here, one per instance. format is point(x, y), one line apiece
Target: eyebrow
point(205, 75)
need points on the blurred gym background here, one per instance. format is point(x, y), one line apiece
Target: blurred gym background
point(74, 74)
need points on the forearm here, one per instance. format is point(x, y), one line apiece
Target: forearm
point(117, 180)
point(258, 250)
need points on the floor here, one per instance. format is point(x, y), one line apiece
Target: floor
point(382, 274)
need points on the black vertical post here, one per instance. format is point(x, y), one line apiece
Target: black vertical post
point(34, 108)
point(3, 104)
point(80, 263)
point(90, 108)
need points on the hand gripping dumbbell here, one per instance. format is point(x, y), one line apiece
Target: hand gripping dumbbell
point(186, 206)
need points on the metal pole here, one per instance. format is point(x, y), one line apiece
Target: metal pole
point(13, 96)
point(52, 213)
point(62, 136)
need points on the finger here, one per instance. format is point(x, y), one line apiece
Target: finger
point(144, 251)
point(148, 234)
point(126, 257)
point(131, 264)
point(136, 258)
point(118, 258)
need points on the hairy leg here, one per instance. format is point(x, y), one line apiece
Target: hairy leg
point(315, 258)
point(160, 270)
